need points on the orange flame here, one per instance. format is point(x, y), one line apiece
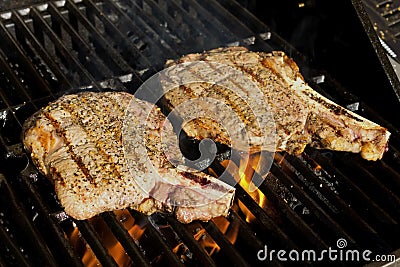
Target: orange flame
point(177, 247)
point(107, 238)
point(244, 174)
point(209, 245)
point(83, 249)
point(230, 230)
point(317, 168)
point(115, 249)
point(280, 158)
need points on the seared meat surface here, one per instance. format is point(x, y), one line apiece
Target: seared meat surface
point(302, 116)
point(87, 144)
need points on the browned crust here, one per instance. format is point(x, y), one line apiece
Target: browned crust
point(302, 116)
point(77, 142)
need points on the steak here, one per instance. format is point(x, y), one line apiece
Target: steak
point(301, 115)
point(89, 146)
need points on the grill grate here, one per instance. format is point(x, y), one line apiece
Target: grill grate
point(54, 48)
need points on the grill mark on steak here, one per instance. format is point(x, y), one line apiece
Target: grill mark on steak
point(230, 57)
point(88, 185)
point(204, 57)
point(200, 180)
point(224, 88)
point(229, 96)
point(78, 118)
point(291, 128)
point(57, 176)
point(77, 159)
point(291, 102)
point(188, 91)
point(240, 107)
point(250, 72)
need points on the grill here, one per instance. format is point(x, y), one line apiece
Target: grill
point(311, 201)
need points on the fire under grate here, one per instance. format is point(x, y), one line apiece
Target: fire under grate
point(306, 202)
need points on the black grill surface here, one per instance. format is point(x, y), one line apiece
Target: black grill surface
point(58, 47)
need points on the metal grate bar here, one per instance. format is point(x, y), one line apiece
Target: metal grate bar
point(191, 30)
point(28, 71)
point(126, 240)
point(174, 21)
point(295, 220)
point(236, 27)
point(177, 25)
point(89, 234)
point(139, 23)
point(205, 37)
point(98, 64)
point(170, 257)
point(152, 21)
point(53, 229)
point(376, 190)
point(292, 186)
point(24, 35)
point(388, 178)
point(392, 158)
point(69, 59)
point(190, 242)
point(355, 224)
point(4, 103)
point(3, 100)
point(103, 47)
point(268, 223)
point(133, 53)
point(15, 92)
point(249, 236)
point(356, 199)
point(211, 23)
point(392, 176)
point(10, 122)
point(9, 246)
point(18, 215)
point(227, 248)
point(86, 53)
point(225, 22)
point(384, 218)
point(353, 192)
